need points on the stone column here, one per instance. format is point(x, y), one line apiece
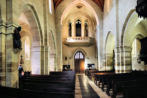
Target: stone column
point(42, 60)
point(59, 51)
point(55, 61)
point(126, 57)
point(2, 55)
point(83, 29)
point(73, 29)
point(12, 60)
point(109, 61)
point(67, 30)
point(11, 55)
point(123, 59)
point(117, 60)
point(46, 58)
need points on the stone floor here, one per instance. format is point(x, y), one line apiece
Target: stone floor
point(85, 88)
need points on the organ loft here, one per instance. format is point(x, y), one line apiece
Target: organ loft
point(73, 48)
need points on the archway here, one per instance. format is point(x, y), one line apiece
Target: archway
point(132, 27)
point(79, 60)
point(110, 45)
point(31, 39)
point(74, 10)
point(136, 47)
point(133, 31)
point(52, 54)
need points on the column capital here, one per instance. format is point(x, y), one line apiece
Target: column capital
point(127, 48)
point(7, 29)
point(73, 29)
point(83, 28)
point(123, 48)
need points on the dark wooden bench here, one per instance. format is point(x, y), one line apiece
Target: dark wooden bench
point(119, 82)
point(7, 92)
point(56, 85)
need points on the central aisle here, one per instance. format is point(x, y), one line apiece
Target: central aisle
point(83, 89)
point(86, 90)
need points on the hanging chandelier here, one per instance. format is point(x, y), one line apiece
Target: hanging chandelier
point(141, 8)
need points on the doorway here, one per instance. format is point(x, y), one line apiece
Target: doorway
point(79, 59)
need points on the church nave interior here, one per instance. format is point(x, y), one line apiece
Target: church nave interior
point(73, 48)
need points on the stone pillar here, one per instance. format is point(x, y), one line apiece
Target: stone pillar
point(42, 60)
point(11, 55)
point(83, 29)
point(46, 58)
point(126, 57)
point(59, 52)
point(55, 62)
point(118, 60)
point(11, 59)
point(109, 61)
point(123, 59)
point(67, 27)
point(2, 55)
point(73, 29)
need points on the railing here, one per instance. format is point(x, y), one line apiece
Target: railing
point(79, 41)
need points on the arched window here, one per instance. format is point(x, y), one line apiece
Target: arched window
point(27, 48)
point(69, 29)
point(78, 28)
point(79, 55)
point(50, 6)
point(86, 29)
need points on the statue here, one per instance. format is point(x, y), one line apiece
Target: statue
point(17, 38)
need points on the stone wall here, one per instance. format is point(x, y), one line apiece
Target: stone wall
point(120, 18)
point(89, 52)
point(42, 22)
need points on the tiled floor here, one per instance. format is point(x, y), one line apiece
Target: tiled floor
point(85, 88)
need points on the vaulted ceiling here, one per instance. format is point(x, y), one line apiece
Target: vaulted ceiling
point(57, 2)
point(100, 3)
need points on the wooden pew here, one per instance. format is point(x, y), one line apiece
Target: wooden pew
point(57, 85)
point(63, 82)
point(117, 82)
point(7, 92)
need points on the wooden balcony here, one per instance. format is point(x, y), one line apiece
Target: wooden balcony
point(79, 41)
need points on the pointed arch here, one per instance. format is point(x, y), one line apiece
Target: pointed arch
point(96, 15)
point(79, 49)
point(26, 9)
point(109, 51)
point(132, 27)
point(29, 21)
point(79, 60)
